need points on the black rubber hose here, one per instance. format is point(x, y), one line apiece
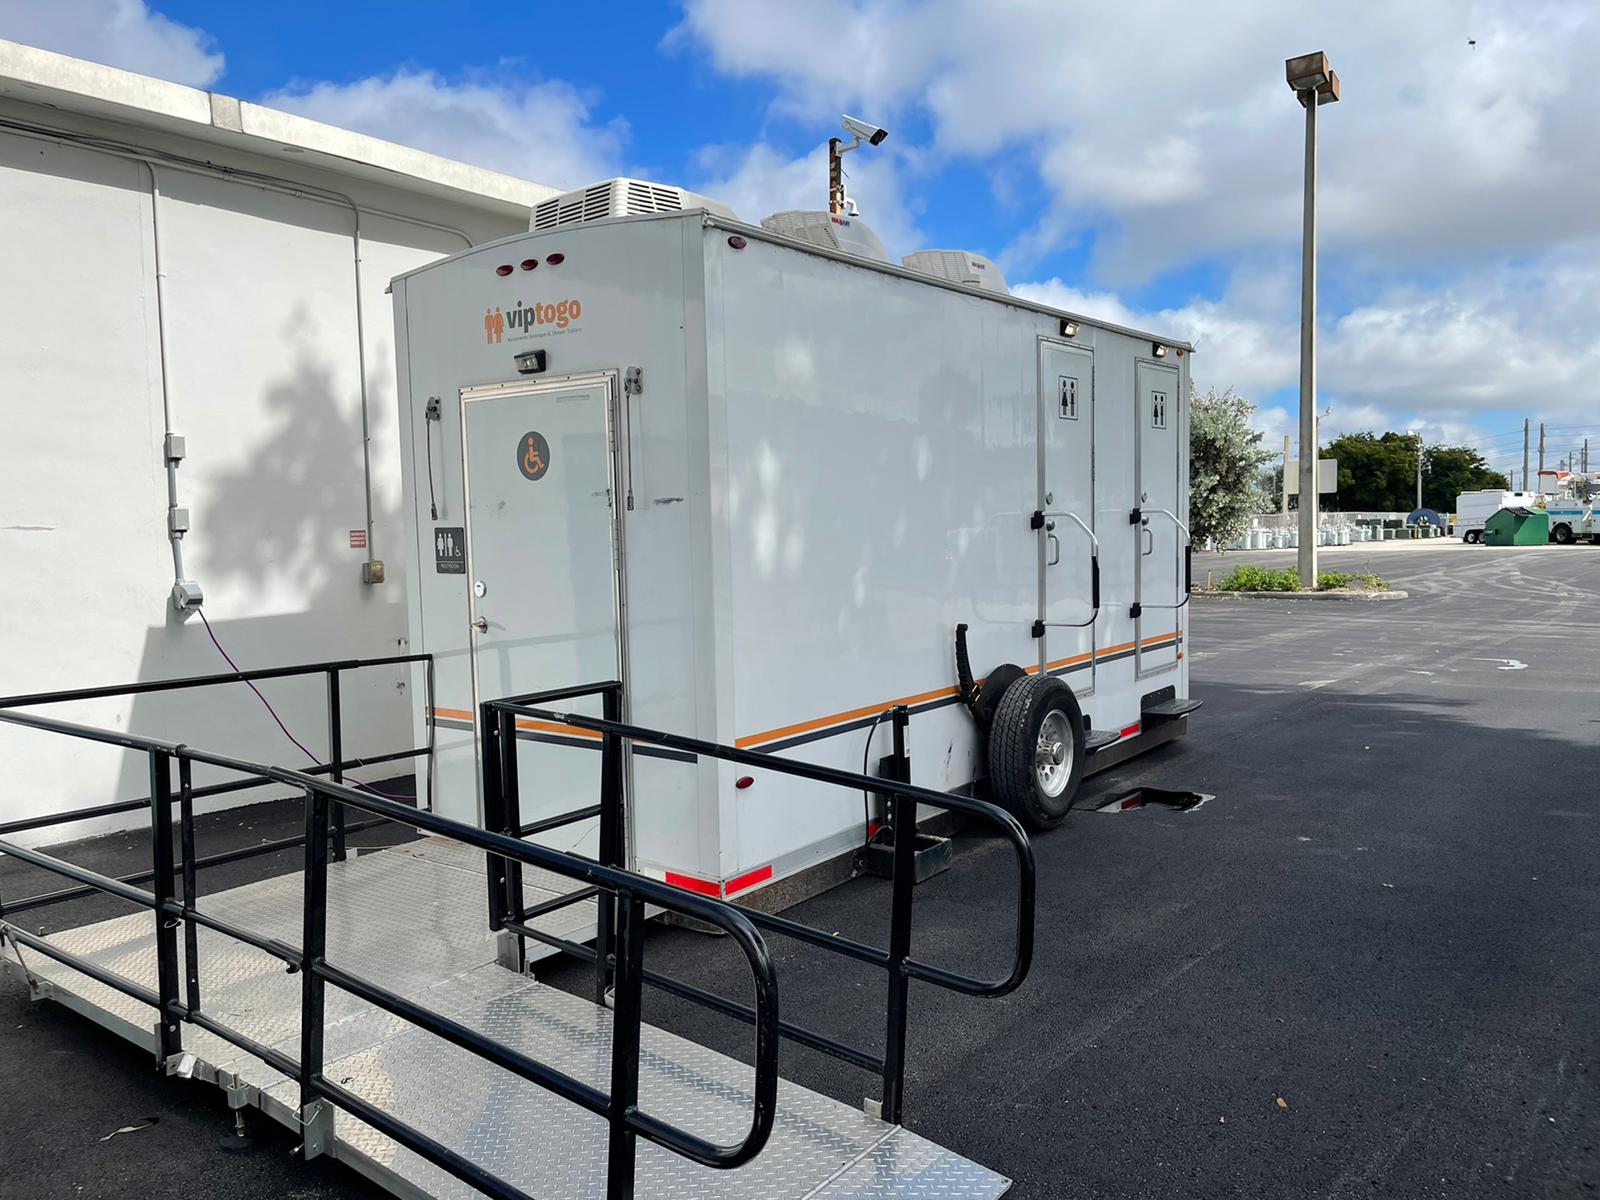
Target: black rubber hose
point(968, 689)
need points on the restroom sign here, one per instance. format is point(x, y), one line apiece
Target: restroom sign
point(533, 455)
point(450, 550)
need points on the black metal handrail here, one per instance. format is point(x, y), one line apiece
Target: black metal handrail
point(336, 765)
point(629, 892)
point(507, 906)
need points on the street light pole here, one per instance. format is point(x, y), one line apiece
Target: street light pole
point(1314, 83)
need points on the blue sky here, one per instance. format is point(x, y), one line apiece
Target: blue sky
point(1139, 162)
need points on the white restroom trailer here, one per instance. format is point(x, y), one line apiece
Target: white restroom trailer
point(762, 483)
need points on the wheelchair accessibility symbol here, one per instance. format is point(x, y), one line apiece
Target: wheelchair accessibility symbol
point(533, 455)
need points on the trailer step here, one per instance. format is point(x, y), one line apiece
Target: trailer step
point(1099, 739)
point(410, 919)
point(1171, 710)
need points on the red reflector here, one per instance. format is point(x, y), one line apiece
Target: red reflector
point(529, 264)
point(744, 781)
point(748, 880)
point(1130, 730)
point(503, 269)
point(737, 242)
point(555, 260)
point(689, 883)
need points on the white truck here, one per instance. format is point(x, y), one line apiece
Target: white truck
point(762, 475)
point(1473, 509)
point(1570, 506)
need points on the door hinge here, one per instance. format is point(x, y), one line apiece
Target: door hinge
point(1135, 517)
point(1038, 629)
point(1038, 520)
point(1135, 610)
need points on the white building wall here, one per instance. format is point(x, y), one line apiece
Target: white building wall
point(264, 385)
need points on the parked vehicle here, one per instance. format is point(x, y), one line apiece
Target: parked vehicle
point(1475, 508)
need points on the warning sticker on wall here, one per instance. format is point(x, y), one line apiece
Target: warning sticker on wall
point(450, 550)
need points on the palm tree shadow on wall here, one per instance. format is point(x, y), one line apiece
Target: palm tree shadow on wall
point(271, 532)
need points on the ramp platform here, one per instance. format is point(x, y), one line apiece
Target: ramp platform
point(410, 918)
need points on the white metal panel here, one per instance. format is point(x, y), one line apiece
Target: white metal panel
point(541, 560)
point(1157, 416)
point(1069, 549)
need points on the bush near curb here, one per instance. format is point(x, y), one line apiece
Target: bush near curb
point(1246, 578)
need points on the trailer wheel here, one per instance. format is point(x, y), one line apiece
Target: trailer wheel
point(1562, 535)
point(1036, 751)
point(995, 686)
point(1472, 537)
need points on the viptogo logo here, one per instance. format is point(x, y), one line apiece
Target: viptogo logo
point(525, 319)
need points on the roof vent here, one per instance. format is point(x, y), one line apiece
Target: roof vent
point(848, 235)
point(618, 198)
point(958, 266)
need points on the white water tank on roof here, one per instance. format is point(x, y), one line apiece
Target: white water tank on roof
point(958, 266)
point(619, 198)
point(849, 235)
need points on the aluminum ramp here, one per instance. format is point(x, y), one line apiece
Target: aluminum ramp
point(410, 919)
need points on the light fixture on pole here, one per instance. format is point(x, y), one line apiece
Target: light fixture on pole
point(1314, 84)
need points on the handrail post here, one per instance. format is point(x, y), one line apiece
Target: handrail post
point(613, 841)
point(625, 1017)
point(191, 939)
point(313, 951)
point(494, 811)
point(511, 798)
point(168, 1040)
point(903, 823)
point(336, 759)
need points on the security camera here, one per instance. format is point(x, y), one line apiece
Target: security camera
point(871, 134)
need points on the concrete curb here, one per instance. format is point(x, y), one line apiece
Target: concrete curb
point(1221, 595)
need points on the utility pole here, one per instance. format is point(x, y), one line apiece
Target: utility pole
point(1314, 83)
point(1526, 424)
point(1285, 481)
point(1585, 456)
point(1541, 447)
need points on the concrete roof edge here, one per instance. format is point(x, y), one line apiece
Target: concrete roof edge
point(43, 76)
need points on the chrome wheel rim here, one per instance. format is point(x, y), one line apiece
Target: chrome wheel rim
point(1052, 758)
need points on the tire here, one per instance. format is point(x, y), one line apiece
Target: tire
point(1472, 537)
point(1033, 712)
point(1562, 535)
point(995, 686)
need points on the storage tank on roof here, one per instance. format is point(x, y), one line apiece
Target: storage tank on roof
point(849, 235)
point(958, 266)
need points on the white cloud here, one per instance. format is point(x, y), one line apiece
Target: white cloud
point(117, 33)
point(758, 180)
point(1169, 129)
point(542, 131)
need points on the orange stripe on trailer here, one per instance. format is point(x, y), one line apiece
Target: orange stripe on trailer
point(457, 714)
point(872, 710)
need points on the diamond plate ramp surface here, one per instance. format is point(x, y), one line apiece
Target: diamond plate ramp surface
point(411, 919)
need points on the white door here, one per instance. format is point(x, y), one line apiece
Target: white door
point(542, 564)
point(1158, 587)
point(1068, 552)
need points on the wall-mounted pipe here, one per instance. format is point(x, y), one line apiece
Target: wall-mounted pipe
point(186, 593)
point(372, 568)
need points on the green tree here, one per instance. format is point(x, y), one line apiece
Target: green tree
point(1378, 473)
point(1225, 458)
point(1447, 471)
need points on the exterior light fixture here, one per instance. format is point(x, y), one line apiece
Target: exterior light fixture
point(1069, 328)
point(1157, 349)
point(1310, 73)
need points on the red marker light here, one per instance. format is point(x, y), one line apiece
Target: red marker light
point(744, 781)
point(529, 264)
point(737, 242)
point(555, 260)
point(503, 269)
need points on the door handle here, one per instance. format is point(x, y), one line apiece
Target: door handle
point(1151, 548)
point(481, 624)
point(1055, 543)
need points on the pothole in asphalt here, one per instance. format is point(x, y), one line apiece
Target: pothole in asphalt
point(1153, 797)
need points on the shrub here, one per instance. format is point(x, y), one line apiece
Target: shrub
point(1329, 580)
point(1246, 578)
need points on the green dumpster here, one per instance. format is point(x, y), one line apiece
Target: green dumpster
point(1517, 527)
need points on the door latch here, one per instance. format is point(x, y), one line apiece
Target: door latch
point(481, 624)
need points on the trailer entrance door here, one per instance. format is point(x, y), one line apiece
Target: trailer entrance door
point(542, 564)
point(1069, 558)
point(1159, 556)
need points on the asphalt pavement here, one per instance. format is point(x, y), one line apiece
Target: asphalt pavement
point(1369, 966)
